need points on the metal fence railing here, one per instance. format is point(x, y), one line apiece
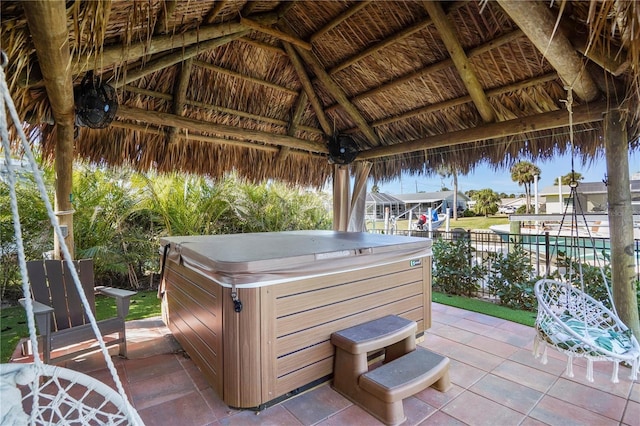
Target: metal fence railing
point(543, 248)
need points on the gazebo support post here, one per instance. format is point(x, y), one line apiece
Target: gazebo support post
point(620, 219)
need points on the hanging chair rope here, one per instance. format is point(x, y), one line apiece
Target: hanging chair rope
point(568, 318)
point(86, 414)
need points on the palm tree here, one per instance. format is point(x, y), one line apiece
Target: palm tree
point(568, 178)
point(486, 201)
point(524, 173)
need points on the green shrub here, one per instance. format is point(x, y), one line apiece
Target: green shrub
point(453, 271)
point(510, 278)
point(468, 213)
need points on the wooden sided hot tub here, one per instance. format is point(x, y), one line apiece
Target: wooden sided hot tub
point(295, 289)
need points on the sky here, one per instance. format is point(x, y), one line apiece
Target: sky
point(500, 181)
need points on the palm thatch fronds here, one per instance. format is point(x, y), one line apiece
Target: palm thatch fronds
point(211, 86)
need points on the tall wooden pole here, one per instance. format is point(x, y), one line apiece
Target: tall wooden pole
point(48, 27)
point(620, 220)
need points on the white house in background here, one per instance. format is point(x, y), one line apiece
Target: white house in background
point(591, 195)
point(440, 201)
point(399, 204)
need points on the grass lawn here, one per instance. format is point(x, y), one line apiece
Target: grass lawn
point(13, 322)
point(487, 308)
point(477, 222)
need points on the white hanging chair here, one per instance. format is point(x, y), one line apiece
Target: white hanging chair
point(572, 321)
point(37, 393)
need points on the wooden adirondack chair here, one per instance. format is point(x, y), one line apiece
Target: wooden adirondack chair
point(60, 316)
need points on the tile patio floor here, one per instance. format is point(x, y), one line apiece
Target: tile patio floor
point(496, 381)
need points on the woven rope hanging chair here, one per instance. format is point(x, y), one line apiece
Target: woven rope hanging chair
point(572, 321)
point(37, 393)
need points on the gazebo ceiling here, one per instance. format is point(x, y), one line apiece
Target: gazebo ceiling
point(261, 87)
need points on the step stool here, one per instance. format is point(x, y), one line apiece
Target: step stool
point(405, 372)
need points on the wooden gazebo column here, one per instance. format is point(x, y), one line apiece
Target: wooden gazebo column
point(47, 20)
point(620, 219)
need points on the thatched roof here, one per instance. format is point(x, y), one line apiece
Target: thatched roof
point(259, 86)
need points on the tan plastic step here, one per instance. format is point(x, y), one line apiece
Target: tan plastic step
point(407, 375)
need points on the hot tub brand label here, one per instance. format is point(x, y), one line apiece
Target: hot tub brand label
point(415, 262)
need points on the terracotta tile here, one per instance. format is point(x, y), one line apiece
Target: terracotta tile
point(220, 409)
point(475, 327)
point(554, 411)
point(189, 409)
point(438, 399)
point(492, 346)
point(486, 319)
point(478, 410)
point(632, 413)
point(446, 318)
point(526, 357)
point(441, 419)
point(145, 368)
point(517, 328)
point(276, 415)
point(635, 392)
point(453, 333)
point(589, 398)
point(464, 375)
point(527, 376)
point(352, 415)
point(507, 393)
point(516, 339)
point(532, 422)
point(195, 374)
point(161, 388)
point(471, 356)
point(416, 410)
point(316, 405)
point(602, 379)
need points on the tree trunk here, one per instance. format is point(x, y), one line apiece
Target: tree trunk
point(620, 220)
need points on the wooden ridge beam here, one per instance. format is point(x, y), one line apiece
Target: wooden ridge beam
point(175, 58)
point(118, 53)
point(449, 37)
point(275, 33)
point(308, 89)
point(445, 63)
point(585, 113)
point(339, 19)
point(166, 119)
point(339, 95)
point(539, 25)
point(236, 74)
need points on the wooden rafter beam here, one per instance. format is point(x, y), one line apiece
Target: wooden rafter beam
point(585, 113)
point(224, 110)
point(404, 33)
point(262, 45)
point(338, 20)
point(275, 33)
point(119, 53)
point(175, 58)
point(165, 119)
point(166, 11)
point(248, 8)
point(236, 74)
point(153, 130)
point(460, 60)
point(301, 105)
point(308, 89)
point(463, 100)
point(215, 11)
point(435, 67)
point(180, 95)
point(538, 23)
point(339, 95)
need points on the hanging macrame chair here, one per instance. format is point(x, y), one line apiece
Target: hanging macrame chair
point(37, 393)
point(572, 321)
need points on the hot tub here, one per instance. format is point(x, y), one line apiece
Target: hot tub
point(255, 312)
